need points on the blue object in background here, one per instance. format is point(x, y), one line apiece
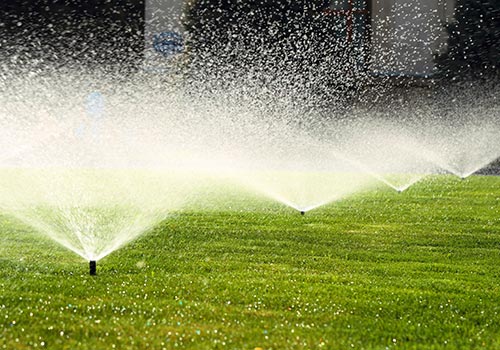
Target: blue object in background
point(94, 107)
point(94, 104)
point(168, 43)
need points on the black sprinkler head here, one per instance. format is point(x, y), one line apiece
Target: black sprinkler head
point(93, 267)
point(302, 212)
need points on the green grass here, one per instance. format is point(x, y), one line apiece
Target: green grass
point(381, 270)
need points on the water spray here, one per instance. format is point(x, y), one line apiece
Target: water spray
point(93, 267)
point(94, 105)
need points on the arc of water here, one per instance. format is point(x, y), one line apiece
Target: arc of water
point(36, 224)
point(79, 235)
point(367, 170)
point(120, 240)
point(435, 159)
point(356, 164)
point(273, 194)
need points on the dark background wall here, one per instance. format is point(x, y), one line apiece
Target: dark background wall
point(474, 41)
point(87, 31)
point(111, 31)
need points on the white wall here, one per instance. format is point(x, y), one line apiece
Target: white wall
point(407, 34)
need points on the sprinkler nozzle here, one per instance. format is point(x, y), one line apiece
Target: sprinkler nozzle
point(93, 267)
point(302, 212)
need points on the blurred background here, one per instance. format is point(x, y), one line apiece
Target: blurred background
point(388, 37)
point(86, 31)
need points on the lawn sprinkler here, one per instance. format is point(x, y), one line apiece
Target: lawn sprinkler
point(302, 212)
point(93, 267)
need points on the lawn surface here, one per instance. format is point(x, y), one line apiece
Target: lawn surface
point(380, 270)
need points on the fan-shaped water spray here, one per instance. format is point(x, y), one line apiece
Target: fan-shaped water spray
point(94, 157)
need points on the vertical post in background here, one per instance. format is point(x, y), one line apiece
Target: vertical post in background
point(163, 33)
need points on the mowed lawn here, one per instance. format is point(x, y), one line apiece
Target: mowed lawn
point(380, 270)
